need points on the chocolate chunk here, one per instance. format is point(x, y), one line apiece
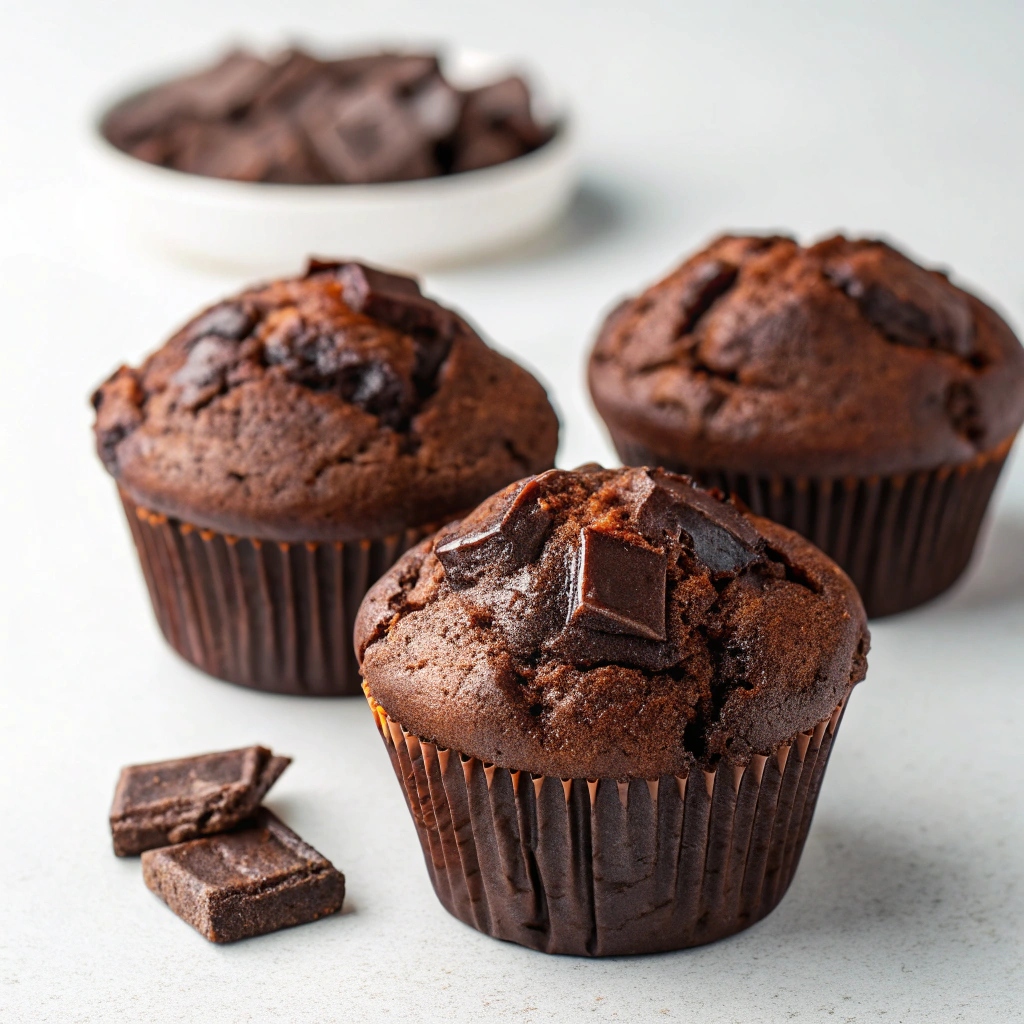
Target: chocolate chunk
point(204, 374)
point(620, 586)
point(239, 884)
point(504, 104)
point(292, 74)
point(330, 360)
point(401, 70)
point(722, 538)
point(212, 94)
point(364, 287)
point(512, 541)
point(365, 136)
point(908, 304)
point(396, 300)
point(171, 801)
point(709, 281)
point(226, 321)
point(436, 107)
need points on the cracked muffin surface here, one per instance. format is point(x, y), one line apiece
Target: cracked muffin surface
point(338, 405)
point(841, 358)
point(611, 623)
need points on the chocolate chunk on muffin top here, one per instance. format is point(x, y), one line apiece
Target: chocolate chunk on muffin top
point(844, 357)
point(338, 405)
point(611, 623)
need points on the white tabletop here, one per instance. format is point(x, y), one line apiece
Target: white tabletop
point(909, 900)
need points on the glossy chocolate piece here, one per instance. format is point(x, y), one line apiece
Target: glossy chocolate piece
point(173, 801)
point(721, 537)
point(513, 540)
point(621, 586)
point(239, 884)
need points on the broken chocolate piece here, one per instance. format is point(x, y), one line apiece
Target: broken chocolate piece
point(397, 301)
point(366, 136)
point(245, 883)
point(172, 801)
point(722, 537)
point(621, 586)
point(297, 119)
point(362, 285)
point(513, 540)
point(227, 320)
point(907, 303)
point(709, 281)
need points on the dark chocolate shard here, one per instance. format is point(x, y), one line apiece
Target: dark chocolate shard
point(366, 135)
point(249, 882)
point(512, 541)
point(722, 538)
point(214, 93)
point(227, 320)
point(620, 585)
point(362, 285)
point(204, 373)
point(707, 282)
point(396, 300)
point(172, 801)
point(908, 304)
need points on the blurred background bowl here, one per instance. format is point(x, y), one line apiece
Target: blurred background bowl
point(415, 225)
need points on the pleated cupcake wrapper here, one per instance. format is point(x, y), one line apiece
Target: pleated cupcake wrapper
point(902, 539)
point(265, 614)
point(601, 867)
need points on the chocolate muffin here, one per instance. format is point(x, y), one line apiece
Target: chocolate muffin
point(840, 389)
point(610, 698)
point(286, 445)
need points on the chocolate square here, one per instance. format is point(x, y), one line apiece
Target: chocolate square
point(621, 586)
point(244, 883)
point(722, 538)
point(172, 801)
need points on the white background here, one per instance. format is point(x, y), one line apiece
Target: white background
point(695, 117)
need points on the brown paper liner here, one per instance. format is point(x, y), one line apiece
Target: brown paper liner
point(602, 867)
point(902, 539)
point(265, 614)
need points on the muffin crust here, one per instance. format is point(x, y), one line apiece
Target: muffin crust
point(338, 405)
point(842, 358)
point(613, 624)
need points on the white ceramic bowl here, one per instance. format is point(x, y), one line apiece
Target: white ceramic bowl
point(249, 226)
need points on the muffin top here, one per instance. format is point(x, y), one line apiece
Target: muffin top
point(844, 358)
point(611, 623)
point(334, 406)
